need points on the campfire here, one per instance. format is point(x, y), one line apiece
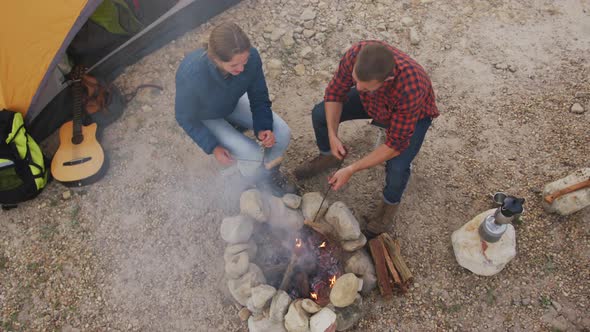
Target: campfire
point(292, 274)
point(314, 266)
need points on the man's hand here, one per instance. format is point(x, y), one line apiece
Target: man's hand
point(341, 177)
point(223, 156)
point(337, 148)
point(267, 138)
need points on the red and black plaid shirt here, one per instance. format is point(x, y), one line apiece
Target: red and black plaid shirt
point(404, 98)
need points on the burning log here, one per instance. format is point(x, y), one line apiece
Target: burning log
point(400, 265)
point(302, 282)
point(323, 228)
point(383, 281)
point(292, 263)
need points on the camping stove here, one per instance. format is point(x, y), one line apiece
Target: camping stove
point(495, 224)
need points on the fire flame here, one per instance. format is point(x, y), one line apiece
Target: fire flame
point(323, 245)
point(298, 242)
point(314, 295)
point(332, 281)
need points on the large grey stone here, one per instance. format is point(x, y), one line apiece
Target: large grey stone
point(264, 325)
point(296, 319)
point(310, 205)
point(310, 306)
point(237, 265)
point(467, 245)
point(236, 229)
point(252, 204)
point(241, 288)
point(369, 283)
point(283, 217)
point(279, 305)
point(360, 263)
point(348, 316)
point(235, 249)
point(292, 201)
point(321, 321)
point(354, 245)
point(345, 290)
point(343, 221)
point(261, 294)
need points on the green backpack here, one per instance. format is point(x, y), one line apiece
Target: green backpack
point(23, 168)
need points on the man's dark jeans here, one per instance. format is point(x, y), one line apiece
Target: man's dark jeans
point(398, 169)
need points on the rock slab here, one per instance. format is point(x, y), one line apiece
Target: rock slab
point(296, 319)
point(321, 321)
point(469, 248)
point(279, 305)
point(345, 290)
point(236, 229)
point(283, 217)
point(241, 288)
point(261, 294)
point(572, 202)
point(310, 205)
point(344, 222)
point(252, 205)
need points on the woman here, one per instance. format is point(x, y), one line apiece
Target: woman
point(221, 87)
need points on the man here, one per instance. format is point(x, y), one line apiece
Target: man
point(377, 81)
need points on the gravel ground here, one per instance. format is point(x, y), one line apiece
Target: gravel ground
point(140, 250)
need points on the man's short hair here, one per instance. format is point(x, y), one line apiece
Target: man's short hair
point(374, 62)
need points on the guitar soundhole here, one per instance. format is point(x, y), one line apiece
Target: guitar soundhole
point(77, 139)
point(77, 161)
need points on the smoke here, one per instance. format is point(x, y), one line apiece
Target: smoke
point(158, 215)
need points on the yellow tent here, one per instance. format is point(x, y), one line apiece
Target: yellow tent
point(34, 35)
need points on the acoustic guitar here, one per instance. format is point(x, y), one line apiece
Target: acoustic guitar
point(79, 158)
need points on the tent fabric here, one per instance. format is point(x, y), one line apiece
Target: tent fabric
point(184, 16)
point(33, 35)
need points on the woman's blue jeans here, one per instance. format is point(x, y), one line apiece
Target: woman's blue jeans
point(246, 151)
point(398, 169)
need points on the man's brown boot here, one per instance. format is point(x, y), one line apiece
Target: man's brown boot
point(316, 166)
point(382, 221)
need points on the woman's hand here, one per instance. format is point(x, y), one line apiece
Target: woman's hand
point(341, 177)
point(223, 156)
point(267, 138)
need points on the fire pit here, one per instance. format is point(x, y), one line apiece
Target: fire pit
point(291, 274)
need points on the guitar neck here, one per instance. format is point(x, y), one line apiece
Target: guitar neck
point(77, 136)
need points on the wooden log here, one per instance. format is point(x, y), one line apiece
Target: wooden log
point(273, 269)
point(288, 272)
point(323, 228)
point(394, 250)
point(396, 278)
point(383, 280)
point(302, 283)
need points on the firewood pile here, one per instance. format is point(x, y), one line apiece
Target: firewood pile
point(393, 275)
